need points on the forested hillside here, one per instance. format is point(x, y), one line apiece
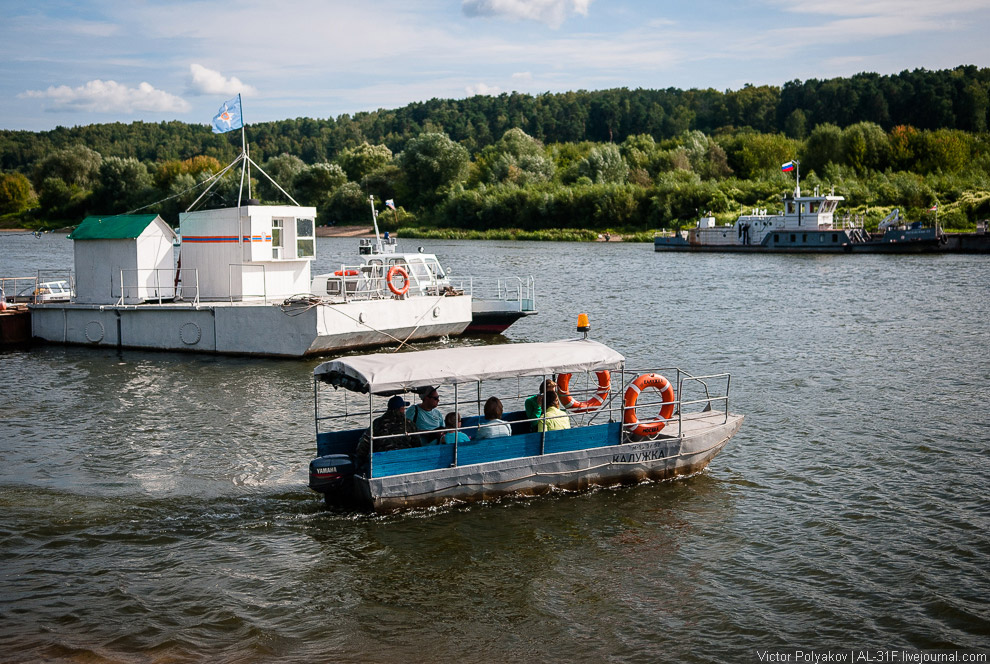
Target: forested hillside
point(613, 159)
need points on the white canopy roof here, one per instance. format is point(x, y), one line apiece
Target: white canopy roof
point(402, 372)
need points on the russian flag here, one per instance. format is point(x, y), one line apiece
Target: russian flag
point(789, 166)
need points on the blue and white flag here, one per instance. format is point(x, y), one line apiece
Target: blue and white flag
point(228, 118)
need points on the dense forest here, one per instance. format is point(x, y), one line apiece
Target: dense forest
point(621, 160)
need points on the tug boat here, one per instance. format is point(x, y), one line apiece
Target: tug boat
point(611, 440)
point(805, 224)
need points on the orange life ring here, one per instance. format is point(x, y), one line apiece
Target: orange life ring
point(346, 273)
point(396, 270)
point(604, 386)
point(654, 426)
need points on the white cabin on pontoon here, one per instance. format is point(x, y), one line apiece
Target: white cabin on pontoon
point(249, 252)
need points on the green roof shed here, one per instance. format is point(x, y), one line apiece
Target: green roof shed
point(116, 227)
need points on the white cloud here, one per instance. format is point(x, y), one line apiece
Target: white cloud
point(551, 12)
point(109, 97)
point(526, 76)
point(482, 89)
point(209, 82)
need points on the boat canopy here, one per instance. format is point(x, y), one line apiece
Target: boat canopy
point(385, 373)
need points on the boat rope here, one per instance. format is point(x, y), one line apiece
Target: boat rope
point(290, 307)
point(168, 198)
point(567, 472)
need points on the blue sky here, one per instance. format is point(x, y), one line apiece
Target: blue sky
point(87, 61)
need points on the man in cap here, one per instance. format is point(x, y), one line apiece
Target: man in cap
point(392, 423)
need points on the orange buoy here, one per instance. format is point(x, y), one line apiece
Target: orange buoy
point(604, 386)
point(654, 426)
point(394, 271)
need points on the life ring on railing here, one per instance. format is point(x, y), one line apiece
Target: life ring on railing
point(346, 273)
point(604, 386)
point(392, 272)
point(654, 426)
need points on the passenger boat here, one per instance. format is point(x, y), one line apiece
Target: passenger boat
point(805, 224)
point(611, 439)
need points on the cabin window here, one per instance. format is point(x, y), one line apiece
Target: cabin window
point(776, 238)
point(804, 237)
point(821, 238)
point(793, 238)
point(305, 240)
point(418, 270)
point(277, 238)
point(436, 270)
point(790, 207)
point(835, 237)
point(813, 207)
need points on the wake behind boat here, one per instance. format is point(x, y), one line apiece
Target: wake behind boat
point(603, 438)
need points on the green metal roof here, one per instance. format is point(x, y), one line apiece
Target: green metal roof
point(119, 227)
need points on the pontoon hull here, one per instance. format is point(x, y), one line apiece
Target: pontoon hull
point(252, 329)
point(630, 463)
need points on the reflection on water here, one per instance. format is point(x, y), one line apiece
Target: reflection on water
point(156, 509)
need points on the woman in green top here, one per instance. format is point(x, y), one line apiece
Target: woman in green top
point(534, 404)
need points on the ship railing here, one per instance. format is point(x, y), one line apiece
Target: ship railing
point(370, 282)
point(518, 291)
point(151, 285)
point(848, 222)
point(39, 289)
point(649, 403)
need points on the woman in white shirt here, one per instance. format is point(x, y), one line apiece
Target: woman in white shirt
point(493, 426)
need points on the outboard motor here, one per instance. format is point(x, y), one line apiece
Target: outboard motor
point(331, 473)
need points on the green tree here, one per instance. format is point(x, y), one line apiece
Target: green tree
point(865, 147)
point(823, 147)
point(945, 150)
point(516, 158)
point(796, 125)
point(604, 164)
point(431, 165)
point(348, 205)
point(283, 169)
point(122, 183)
point(315, 185)
point(16, 194)
point(75, 165)
point(359, 161)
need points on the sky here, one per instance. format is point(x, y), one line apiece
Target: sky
point(95, 61)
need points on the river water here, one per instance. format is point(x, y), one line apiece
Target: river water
point(155, 506)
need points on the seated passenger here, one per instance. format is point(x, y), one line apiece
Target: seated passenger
point(493, 426)
point(534, 404)
point(392, 423)
point(426, 416)
point(453, 420)
point(555, 418)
